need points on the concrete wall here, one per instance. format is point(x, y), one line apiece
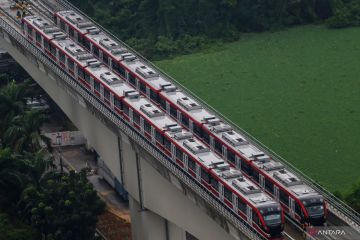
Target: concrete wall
point(161, 207)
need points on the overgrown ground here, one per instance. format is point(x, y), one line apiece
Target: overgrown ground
point(297, 91)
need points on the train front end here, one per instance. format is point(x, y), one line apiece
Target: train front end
point(273, 220)
point(315, 208)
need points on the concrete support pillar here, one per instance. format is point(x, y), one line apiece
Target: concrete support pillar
point(147, 225)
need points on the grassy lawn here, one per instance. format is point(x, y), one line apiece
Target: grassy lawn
point(297, 91)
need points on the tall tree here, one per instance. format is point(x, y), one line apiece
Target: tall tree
point(64, 207)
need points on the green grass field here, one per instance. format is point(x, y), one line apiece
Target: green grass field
point(297, 91)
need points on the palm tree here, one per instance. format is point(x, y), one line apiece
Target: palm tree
point(11, 178)
point(23, 133)
point(37, 166)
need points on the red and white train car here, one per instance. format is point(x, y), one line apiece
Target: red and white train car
point(300, 201)
point(233, 189)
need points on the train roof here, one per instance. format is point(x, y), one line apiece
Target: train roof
point(76, 52)
point(243, 186)
point(48, 29)
point(78, 22)
point(116, 84)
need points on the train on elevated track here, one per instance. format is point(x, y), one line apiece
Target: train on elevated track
point(227, 184)
point(302, 203)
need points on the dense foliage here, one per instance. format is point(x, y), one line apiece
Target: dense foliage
point(162, 28)
point(57, 205)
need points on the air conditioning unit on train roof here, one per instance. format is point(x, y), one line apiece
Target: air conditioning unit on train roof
point(119, 50)
point(51, 29)
point(211, 120)
point(173, 128)
point(168, 87)
point(128, 57)
point(221, 127)
point(183, 135)
point(110, 78)
point(195, 146)
point(272, 166)
point(234, 138)
point(131, 94)
point(287, 178)
point(108, 43)
point(230, 174)
point(151, 111)
point(94, 64)
point(245, 187)
point(85, 56)
point(188, 104)
point(146, 72)
point(82, 25)
point(59, 36)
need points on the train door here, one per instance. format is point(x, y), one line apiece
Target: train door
point(75, 71)
point(167, 108)
point(191, 125)
point(276, 192)
point(292, 207)
point(198, 172)
point(91, 48)
point(66, 62)
point(76, 36)
point(221, 191)
point(110, 64)
point(249, 214)
point(102, 93)
point(235, 202)
point(142, 125)
point(237, 161)
point(147, 90)
point(42, 42)
point(262, 181)
point(173, 151)
point(153, 135)
point(112, 100)
point(178, 116)
point(127, 75)
point(101, 55)
point(185, 158)
point(212, 143)
point(131, 115)
point(92, 83)
point(224, 152)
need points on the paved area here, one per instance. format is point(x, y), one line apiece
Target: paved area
point(77, 158)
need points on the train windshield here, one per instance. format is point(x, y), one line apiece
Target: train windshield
point(315, 206)
point(271, 215)
point(315, 210)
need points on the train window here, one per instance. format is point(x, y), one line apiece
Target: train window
point(284, 197)
point(62, 25)
point(106, 94)
point(80, 39)
point(206, 137)
point(106, 59)
point(231, 156)
point(192, 164)
point(142, 87)
point(46, 45)
point(96, 85)
point(227, 194)
point(87, 77)
point(205, 176)
point(185, 121)
point(218, 146)
point(173, 111)
point(96, 51)
point(81, 73)
point(159, 137)
point(154, 96)
point(197, 130)
point(147, 127)
point(126, 109)
point(297, 209)
point(132, 79)
point(117, 68)
point(117, 102)
point(86, 44)
point(62, 57)
point(179, 154)
point(241, 205)
point(71, 64)
point(255, 176)
point(245, 167)
point(71, 33)
point(255, 218)
point(167, 144)
point(53, 50)
point(269, 185)
point(38, 37)
point(136, 118)
point(162, 103)
point(214, 183)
